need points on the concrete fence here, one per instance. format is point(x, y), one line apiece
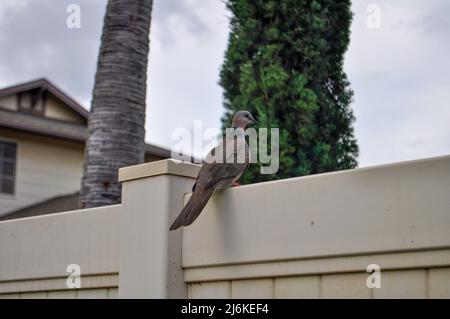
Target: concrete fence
point(309, 237)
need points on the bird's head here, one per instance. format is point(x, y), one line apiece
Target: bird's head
point(243, 118)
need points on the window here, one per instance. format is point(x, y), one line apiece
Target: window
point(8, 156)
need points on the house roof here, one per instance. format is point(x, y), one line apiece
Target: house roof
point(52, 127)
point(52, 88)
point(42, 125)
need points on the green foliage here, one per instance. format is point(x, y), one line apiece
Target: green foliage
point(284, 64)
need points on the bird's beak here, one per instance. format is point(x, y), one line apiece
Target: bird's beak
point(253, 120)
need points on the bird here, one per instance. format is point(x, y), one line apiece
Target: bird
point(217, 175)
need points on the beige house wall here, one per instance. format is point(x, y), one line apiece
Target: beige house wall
point(9, 102)
point(55, 109)
point(46, 167)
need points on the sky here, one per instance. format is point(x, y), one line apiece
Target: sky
point(397, 63)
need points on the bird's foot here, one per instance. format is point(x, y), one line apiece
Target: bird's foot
point(235, 185)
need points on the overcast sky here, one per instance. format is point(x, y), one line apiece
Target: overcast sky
point(399, 72)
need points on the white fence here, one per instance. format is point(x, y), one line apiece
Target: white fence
point(36, 251)
point(309, 237)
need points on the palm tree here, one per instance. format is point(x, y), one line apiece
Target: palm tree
point(116, 122)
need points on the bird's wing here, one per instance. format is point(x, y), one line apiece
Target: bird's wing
point(214, 175)
point(224, 173)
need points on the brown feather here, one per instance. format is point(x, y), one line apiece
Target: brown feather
point(217, 175)
point(193, 208)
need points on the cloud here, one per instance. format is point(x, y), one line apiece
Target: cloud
point(399, 72)
point(183, 75)
point(173, 15)
point(36, 43)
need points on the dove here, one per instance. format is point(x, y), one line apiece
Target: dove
point(215, 174)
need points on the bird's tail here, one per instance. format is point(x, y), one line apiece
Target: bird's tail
point(193, 208)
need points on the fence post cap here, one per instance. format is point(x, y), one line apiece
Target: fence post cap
point(164, 167)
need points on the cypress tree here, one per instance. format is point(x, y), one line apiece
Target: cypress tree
point(284, 64)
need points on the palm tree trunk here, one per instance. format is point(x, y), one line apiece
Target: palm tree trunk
point(116, 121)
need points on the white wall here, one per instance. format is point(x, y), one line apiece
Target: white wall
point(314, 236)
point(35, 253)
point(310, 237)
point(403, 275)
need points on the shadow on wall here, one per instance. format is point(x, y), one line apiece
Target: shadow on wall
point(58, 204)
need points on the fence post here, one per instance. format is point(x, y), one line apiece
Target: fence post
point(150, 254)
